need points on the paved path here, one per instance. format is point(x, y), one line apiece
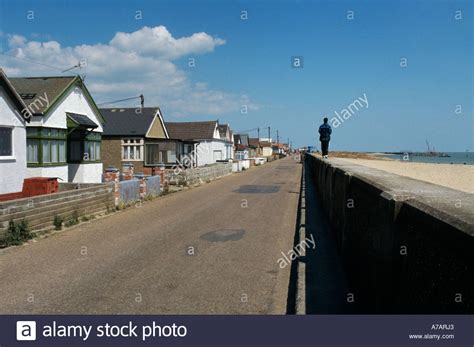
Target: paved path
point(138, 261)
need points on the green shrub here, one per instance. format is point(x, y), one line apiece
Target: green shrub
point(58, 222)
point(17, 233)
point(73, 220)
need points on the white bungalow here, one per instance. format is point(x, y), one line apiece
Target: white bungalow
point(64, 134)
point(210, 147)
point(12, 138)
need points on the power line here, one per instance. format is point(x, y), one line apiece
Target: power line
point(246, 131)
point(34, 62)
point(121, 100)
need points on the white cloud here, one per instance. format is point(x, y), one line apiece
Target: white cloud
point(132, 64)
point(158, 41)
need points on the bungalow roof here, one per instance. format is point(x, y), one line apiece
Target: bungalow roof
point(128, 121)
point(191, 130)
point(53, 88)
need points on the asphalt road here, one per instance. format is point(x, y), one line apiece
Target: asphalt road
point(212, 249)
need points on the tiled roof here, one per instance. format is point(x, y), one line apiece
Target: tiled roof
point(191, 130)
point(254, 142)
point(242, 138)
point(31, 88)
point(134, 121)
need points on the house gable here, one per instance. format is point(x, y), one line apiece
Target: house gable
point(13, 102)
point(75, 100)
point(157, 129)
point(45, 94)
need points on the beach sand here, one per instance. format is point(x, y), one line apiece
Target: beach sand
point(459, 177)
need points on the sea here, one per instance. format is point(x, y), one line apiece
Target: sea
point(466, 158)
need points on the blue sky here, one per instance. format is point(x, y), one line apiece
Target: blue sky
point(247, 63)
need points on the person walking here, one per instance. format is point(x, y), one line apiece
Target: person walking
point(325, 136)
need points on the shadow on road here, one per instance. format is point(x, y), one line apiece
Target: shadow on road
point(323, 280)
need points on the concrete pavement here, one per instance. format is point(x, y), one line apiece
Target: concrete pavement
point(210, 250)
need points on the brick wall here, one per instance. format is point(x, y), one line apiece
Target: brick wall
point(111, 152)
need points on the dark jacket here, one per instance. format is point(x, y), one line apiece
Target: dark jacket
point(325, 132)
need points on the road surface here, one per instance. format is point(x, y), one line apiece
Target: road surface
point(212, 249)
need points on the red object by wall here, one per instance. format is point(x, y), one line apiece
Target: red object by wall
point(34, 186)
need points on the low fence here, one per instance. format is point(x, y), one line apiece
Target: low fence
point(129, 191)
point(153, 184)
point(198, 175)
point(134, 188)
point(72, 201)
point(407, 245)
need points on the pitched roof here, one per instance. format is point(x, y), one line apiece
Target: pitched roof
point(223, 129)
point(52, 88)
point(243, 138)
point(30, 88)
point(191, 130)
point(254, 142)
point(82, 120)
point(127, 121)
point(11, 92)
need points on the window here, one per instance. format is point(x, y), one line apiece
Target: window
point(161, 153)
point(132, 149)
point(6, 145)
point(153, 154)
point(46, 146)
point(217, 155)
point(62, 151)
point(54, 151)
point(171, 157)
point(46, 151)
point(92, 151)
point(32, 151)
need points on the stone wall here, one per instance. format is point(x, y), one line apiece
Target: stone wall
point(72, 199)
point(198, 175)
point(407, 245)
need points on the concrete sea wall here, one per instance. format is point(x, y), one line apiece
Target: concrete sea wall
point(407, 245)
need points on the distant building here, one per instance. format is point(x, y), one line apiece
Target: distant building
point(227, 135)
point(139, 136)
point(241, 144)
point(210, 146)
point(267, 150)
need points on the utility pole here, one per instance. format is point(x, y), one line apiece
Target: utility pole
point(258, 130)
point(278, 139)
point(269, 135)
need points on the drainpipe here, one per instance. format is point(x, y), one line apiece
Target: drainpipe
point(195, 154)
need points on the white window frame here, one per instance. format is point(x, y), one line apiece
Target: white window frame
point(129, 142)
